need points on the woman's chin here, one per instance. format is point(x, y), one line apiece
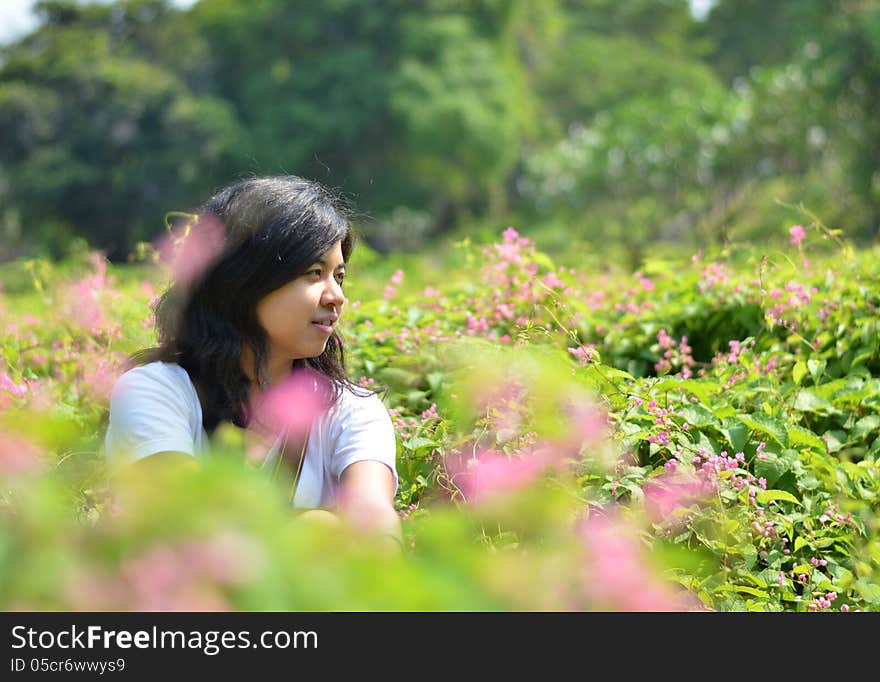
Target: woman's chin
point(317, 351)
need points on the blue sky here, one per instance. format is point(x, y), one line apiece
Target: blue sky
point(16, 18)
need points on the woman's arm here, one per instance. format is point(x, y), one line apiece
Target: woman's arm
point(366, 499)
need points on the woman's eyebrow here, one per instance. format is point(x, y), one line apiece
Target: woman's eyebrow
point(324, 263)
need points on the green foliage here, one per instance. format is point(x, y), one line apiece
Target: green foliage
point(100, 138)
point(612, 124)
point(539, 416)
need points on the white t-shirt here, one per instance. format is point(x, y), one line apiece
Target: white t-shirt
point(155, 408)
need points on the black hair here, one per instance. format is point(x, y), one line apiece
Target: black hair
point(274, 228)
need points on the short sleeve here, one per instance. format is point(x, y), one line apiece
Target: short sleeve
point(362, 430)
point(150, 411)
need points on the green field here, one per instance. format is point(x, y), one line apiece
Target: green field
point(701, 434)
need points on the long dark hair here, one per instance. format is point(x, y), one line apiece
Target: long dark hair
point(273, 229)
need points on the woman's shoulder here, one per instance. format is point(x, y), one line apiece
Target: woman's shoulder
point(156, 371)
point(157, 377)
point(357, 404)
point(359, 428)
point(353, 397)
point(153, 408)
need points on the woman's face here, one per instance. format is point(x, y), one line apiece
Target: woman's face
point(300, 316)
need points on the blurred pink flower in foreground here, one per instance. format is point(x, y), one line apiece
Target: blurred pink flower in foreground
point(186, 576)
point(617, 574)
point(189, 250)
point(18, 456)
point(293, 404)
point(589, 420)
point(589, 433)
point(100, 372)
point(797, 233)
point(9, 386)
point(491, 473)
point(667, 493)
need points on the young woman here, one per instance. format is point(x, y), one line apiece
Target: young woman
point(263, 310)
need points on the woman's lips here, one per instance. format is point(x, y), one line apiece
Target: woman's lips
point(326, 328)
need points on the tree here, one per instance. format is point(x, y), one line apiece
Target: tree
point(101, 142)
point(399, 103)
point(835, 44)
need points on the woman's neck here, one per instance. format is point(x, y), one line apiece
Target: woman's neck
point(279, 369)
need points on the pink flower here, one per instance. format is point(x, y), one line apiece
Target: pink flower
point(18, 456)
point(797, 233)
point(188, 251)
point(100, 374)
point(397, 277)
point(430, 413)
point(491, 473)
point(584, 354)
point(645, 282)
point(7, 384)
point(589, 428)
point(229, 558)
point(510, 235)
point(617, 573)
point(667, 493)
point(293, 404)
point(81, 305)
point(551, 280)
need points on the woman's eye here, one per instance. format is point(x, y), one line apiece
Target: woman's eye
point(340, 278)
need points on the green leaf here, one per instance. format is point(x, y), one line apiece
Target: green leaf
point(415, 398)
point(419, 442)
point(397, 378)
point(603, 379)
point(798, 372)
point(709, 444)
point(744, 589)
point(697, 415)
point(737, 434)
point(774, 466)
point(808, 401)
point(703, 389)
point(435, 379)
point(767, 495)
point(800, 542)
point(756, 580)
point(749, 554)
point(835, 439)
point(869, 425)
point(862, 357)
point(773, 427)
point(817, 368)
point(798, 435)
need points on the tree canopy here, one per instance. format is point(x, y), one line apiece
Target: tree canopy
point(630, 120)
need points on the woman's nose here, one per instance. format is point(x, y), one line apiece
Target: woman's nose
point(333, 294)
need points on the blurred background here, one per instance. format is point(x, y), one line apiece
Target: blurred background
point(619, 126)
